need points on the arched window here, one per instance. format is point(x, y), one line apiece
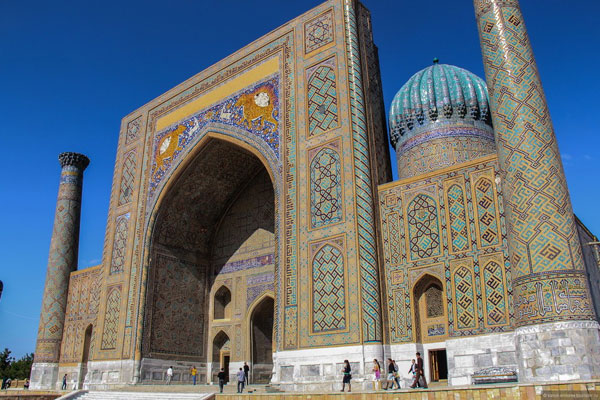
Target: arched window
point(222, 303)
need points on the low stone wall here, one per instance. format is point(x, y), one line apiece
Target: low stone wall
point(590, 389)
point(28, 395)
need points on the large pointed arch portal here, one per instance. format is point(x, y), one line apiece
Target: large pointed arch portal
point(212, 251)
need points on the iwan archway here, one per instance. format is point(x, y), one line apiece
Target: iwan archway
point(212, 253)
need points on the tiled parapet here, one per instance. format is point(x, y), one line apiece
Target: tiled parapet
point(62, 259)
point(548, 271)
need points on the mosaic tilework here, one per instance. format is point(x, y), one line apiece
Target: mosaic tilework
point(326, 202)
point(127, 178)
point(255, 109)
point(120, 244)
point(375, 107)
point(458, 225)
point(495, 301)
point(487, 220)
point(542, 230)
point(62, 259)
point(459, 267)
point(176, 308)
point(318, 32)
point(82, 310)
point(322, 97)
point(328, 290)
point(254, 292)
point(282, 165)
point(111, 318)
point(423, 227)
point(442, 148)
point(134, 129)
point(464, 295)
point(255, 262)
point(371, 313)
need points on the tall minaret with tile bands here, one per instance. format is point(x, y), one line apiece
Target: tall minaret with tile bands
point(62, 260)
point(551, 297)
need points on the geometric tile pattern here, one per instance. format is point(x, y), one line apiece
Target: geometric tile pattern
point(441, 148)
point(457, 223)
point(133, 130)
point(413, 210)
point(495, 302)
point(423, 228)
point(111, 318)
point(486, 213)
point(325, 187)
point(82, 310)
point(119, 244)
point(372, 329)
point(62, 258)
point(464, 290)
point(127, 178)
point(322, 98)
point(318, 32)
point(176, 306)
point(329, 296)
point(542, 238)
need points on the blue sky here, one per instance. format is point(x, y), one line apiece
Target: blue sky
point(70, 70)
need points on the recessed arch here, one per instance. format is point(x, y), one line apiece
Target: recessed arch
point(186, 261)
point(222, 303)
point(429, 309)
point(260, 324)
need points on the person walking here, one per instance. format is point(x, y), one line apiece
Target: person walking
point(419, 377)
point(169, 375)
point(396, 374)
point(64, 383)
point(246, 372)
point(222, 377)
point(346, 370)
point(391, 370)
point(377, 375)
point(241, 378)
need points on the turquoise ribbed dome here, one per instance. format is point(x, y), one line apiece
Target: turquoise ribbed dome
point(435, 96)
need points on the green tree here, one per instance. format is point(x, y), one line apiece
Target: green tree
point(21, 369)
point(5, 361)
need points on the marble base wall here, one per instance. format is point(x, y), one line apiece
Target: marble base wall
point(102, 375)
point(43, 376)
point(154, 371)
point(559, 351)
point(470, 354)
point(320, 369)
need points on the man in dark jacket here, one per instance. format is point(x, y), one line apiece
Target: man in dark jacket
point(420, 374)
point(222, 377)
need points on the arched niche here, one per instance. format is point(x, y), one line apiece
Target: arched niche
point(429, 306)
point(222, 303)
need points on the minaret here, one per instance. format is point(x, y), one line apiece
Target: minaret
point(62, 260)
point(551, 295)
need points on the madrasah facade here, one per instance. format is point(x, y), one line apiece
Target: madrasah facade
point(253, 217)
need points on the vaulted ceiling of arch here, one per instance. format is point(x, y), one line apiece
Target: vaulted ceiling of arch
point(191, 210)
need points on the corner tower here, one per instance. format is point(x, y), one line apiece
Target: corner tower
point(551, 296)
point(62, 260)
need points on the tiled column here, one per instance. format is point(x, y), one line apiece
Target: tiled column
point(62, 260)
point(549, 281)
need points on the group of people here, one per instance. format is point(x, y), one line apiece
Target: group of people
point(417, 370)
point(242, 377)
